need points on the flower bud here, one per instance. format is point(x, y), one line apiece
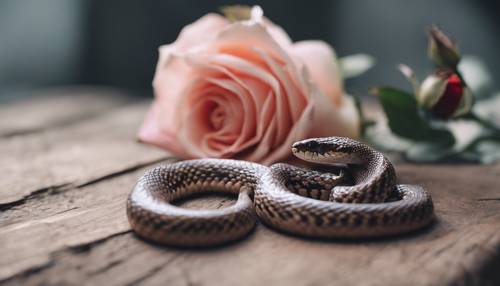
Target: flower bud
point(442, 51)
point(445, 95)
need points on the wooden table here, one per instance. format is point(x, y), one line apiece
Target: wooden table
point(69, 159)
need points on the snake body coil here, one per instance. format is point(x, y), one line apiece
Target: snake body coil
point(361, 200)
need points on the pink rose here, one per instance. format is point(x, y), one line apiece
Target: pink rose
point(243, 90)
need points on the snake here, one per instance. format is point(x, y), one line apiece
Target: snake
point(354, 195)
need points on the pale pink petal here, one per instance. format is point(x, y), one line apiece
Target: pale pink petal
point(292, 103)
point(194, 126)
point(258, 91)
point(244, 36)
point(299, 131)
point(267, 124)
point(171, 79)
point(261, 152)
point(241, 38)
point(237, 122)
point(242, 66)
point(150, 132)
point(276, 32)
point(321, 61)
point(243, 112)
point(240, 119)
point(331, 120)
point(202, 30)
point(321, 118)
point(208, 139)
point(242, 90)
point(296, 100)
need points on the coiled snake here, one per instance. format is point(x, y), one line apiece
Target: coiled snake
point(360, 200)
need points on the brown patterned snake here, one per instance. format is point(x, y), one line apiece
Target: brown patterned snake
point(361, 200)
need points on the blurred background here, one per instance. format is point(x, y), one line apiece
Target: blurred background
point(114, 43)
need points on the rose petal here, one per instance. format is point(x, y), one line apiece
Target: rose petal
point(331, 120)
point(247, 35)
point(276, 32)
point(320, 118)
point(296, 99)
point(172, 77)
point(266, 132)
point(237, 36)
point(257, 93)
point(299, 131)
point(202, 30)
point(248, 68)
point(151, 132)
point(320, 60)
point(242, 117)
point(232, 90)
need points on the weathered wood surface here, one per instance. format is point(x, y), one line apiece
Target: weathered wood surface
point(63, 222)
point(65, 152)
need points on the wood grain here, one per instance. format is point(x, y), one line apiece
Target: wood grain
point(79, 235)
point(75, 154)
point(49, 108)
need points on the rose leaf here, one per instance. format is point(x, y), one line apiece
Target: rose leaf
point(484, 149)
point(487, 108)
point(426, 153)
point(404, 119)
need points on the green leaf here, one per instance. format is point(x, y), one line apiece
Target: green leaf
point(462, 140)
point(355, 65)
point(404, 119)
point(487, 109)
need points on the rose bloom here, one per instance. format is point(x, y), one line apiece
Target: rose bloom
point(243, 90)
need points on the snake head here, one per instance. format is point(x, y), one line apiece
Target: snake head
point(328, 150)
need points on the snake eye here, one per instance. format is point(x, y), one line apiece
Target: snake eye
point(308, 145)
point(312, 145)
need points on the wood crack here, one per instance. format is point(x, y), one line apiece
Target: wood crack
point(35, 194)
point(121, 172)
point(29, 272)
point(85, 247)
point(66, 210)
point(69, 225)
point(21, 132)
point(50, 190)
point(107, 267)
point(488, 199)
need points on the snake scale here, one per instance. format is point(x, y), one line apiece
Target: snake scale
point(359, 199)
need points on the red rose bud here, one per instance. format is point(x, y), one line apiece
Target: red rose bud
point(442, 51)
point(445, 95)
